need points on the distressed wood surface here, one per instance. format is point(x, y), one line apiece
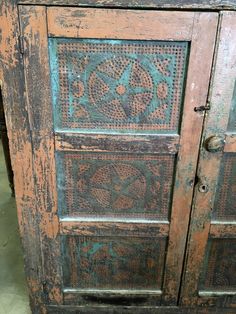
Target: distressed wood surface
point(230, 143)
point(109, 228)
point(122, 143)
point(102, 23)
point(35, 49)
point(167, 4)
point(13, 87)
point(33, 27)
point(222, 230)
point(163, 26)
point(202, 44)
point(125, 297)
point(217, 301)
point(136, 309)
point(209, 163)
point(202, 47)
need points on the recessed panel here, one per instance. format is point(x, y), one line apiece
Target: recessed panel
point(117, 85)
point(225, 202)
point(219, 271)
point(113, 263)
point(107, 184)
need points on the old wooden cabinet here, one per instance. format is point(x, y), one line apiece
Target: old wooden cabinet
point(121, 120)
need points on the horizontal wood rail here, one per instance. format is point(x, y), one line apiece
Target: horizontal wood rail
point(223, 229)
point(164, 4)
point(114, 227)
point(123, 143)
point(102, 23)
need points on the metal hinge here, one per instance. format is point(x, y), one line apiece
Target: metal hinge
point(202, 108)
point(21, 44)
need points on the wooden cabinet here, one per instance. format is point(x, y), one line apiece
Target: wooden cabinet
point(124, 178)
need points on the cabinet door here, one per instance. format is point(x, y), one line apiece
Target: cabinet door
point(211, 265)
point(111, 98)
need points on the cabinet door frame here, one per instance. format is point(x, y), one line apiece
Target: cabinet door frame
point(41, 137)
point(202, 227)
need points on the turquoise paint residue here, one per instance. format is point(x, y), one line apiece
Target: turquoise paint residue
point(90, 185)
point(120, 86)
point(95, 247)
point(232, 116)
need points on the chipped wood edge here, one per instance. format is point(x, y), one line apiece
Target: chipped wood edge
point(17, 120)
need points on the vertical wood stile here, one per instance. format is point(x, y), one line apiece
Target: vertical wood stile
point(16, 112)
point(37, 76)
point(200, 62)
point(209, 163)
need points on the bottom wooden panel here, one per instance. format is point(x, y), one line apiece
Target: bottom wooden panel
point(135, 309)
point(219, 268)
point(112, 297)
point(114, 263)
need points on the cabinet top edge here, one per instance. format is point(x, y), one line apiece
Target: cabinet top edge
point(215, 5)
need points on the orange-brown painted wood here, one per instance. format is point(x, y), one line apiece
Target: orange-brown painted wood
point(209, 163)
point(102, 23)
point(92, 23)
point(34, 144)
point(36, 68)
point(222, 230)
point(17, 120)
point(196, 93)
point(109, 228)
point(123, 143)
point(162, 4)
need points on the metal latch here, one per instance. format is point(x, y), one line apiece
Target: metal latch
point(202, 108)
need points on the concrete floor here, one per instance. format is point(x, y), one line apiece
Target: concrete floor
point(13, 291)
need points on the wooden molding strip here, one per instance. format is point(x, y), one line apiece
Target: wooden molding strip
point(112, 292)
point(203, 293)
point(168, 4)
point(115, 23)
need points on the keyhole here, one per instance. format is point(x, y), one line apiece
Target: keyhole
point(203, 188)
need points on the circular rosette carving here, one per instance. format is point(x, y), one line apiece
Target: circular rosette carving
point(117, 186)
point(120, 88)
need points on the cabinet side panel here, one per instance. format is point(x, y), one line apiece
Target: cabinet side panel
point(16, 111)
